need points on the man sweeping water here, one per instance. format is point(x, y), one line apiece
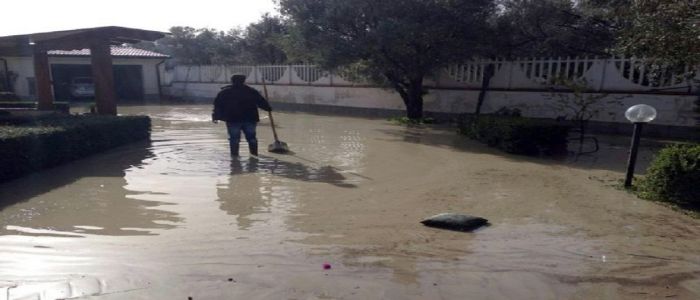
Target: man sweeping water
point(237, 105)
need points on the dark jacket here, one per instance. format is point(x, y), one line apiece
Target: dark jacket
point(239, 103)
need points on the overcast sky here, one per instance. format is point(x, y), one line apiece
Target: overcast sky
point(29, 16)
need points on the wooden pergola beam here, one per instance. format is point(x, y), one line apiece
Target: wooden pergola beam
point(42, 75)
point(103, 77)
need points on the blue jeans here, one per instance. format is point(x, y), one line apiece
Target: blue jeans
point(234, 136)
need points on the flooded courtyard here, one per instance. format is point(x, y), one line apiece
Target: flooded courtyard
point(176, 217)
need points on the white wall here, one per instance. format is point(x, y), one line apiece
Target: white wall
point(673, 109)
point(24, 67)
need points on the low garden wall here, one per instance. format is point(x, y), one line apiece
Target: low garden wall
point(677, 118)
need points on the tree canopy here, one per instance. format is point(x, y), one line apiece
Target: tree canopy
point(536, 28)
point(262, 41)
point(667, 30)
point(399, 42)
point(258, 43)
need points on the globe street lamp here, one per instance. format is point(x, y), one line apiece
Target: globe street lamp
point(639, 114)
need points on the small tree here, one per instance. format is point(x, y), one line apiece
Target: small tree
point(400, 42)
point(201, 46)
point(262, 39)
point(578, 105)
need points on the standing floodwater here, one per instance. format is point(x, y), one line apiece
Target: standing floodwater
point(177, 217)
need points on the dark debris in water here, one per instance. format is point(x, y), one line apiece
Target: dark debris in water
point(457, 222)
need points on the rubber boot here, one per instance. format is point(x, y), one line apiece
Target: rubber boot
point(234, 150)
point(253, 149)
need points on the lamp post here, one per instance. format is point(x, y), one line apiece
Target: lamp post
point(639, 115)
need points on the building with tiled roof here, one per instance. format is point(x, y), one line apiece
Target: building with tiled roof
point(136, 73)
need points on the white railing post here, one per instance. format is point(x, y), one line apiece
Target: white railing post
point(510, 72)
point(642, 71)
point(255, 74)
point(630, 71)
point(603, 74)
point(480, 70)
point(559, 68)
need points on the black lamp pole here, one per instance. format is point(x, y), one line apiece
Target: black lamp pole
point(633, 153)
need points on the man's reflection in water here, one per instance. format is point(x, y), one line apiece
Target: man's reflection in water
point(250, 187)
point(243, 196)
point(291, 170)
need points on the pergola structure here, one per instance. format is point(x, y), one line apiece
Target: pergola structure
point(98, 40)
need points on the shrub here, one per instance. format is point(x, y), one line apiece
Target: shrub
point(673, 176)
point(48, 142)
point(519, 135)
point(11, 119)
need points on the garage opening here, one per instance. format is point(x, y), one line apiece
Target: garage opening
point(72, 82)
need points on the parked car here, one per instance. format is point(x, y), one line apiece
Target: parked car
point(82, 87)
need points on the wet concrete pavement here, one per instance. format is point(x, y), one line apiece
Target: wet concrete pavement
point(177, 218)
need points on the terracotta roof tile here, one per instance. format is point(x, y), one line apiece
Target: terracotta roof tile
point(117, 51)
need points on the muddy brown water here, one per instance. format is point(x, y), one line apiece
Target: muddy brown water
point(176, 218)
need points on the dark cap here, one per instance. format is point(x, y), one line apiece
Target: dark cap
point(238, 79)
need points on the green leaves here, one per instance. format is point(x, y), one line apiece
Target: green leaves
point(668, 31)
point(550, 28)
point(259, 43)
point(398, 41)
point(518, 135)
point(673, 176)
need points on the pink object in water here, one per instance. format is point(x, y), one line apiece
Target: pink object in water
point(326, 266)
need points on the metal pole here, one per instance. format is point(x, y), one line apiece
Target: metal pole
point(633, 153)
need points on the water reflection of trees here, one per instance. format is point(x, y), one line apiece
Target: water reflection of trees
point(87, 196)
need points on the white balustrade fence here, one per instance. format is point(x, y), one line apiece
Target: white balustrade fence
point(617, 74)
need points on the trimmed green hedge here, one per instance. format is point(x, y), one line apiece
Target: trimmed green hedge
point(673, 176)
point(11, 119)
point(59, 106)
point(519, 135)
point(47, 142)
point(8, 96)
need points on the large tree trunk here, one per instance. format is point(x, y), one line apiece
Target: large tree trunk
point(411, 93)
point(414, 101)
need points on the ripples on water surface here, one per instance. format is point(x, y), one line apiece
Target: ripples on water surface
point(181, 190)
point(176, 217)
